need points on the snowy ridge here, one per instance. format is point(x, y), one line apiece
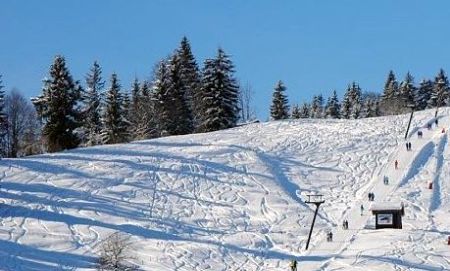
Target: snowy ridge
point(234, 199)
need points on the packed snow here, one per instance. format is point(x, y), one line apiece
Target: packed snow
point(235, 199)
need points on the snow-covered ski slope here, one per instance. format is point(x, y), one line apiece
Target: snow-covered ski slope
point(234, 199)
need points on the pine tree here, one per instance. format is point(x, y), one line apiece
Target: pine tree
point(219, 94)
point(351, 104)
point(354, 95)
point(390, 87)
point(423, 94)
point(58, 108)
point(279, 108)
point(178, 91)
point(190, 78)
point(3, 121)
point(407, 92)
point(92, 124)
point(440, 94)
point(295, 114)
point(390, 97)
point(162, 100)
point(304, 111)
point(115, 124)
point(346, 105)
point(333, 107)
point(317, 107)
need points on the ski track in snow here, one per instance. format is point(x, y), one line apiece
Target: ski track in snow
point(234, 199)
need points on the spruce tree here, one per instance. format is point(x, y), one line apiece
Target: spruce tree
point(115, 125)
point(317, 107)
point(279, 108)
point(407, 92)
point(163, 100)
point(178, 91)
point(190, 78)
point(91, 113)
point(295, 114)
point(390, 97)
point(346, 105)
point(423, 94)
point(58, 108)
point(304, 111)
point(354, 95)
point(390, 87)
point(440, 94)
point(333, 108)
point(219, 94)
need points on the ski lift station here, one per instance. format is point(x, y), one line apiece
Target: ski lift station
point(388, 215)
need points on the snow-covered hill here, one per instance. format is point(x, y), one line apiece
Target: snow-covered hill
point(234, 199)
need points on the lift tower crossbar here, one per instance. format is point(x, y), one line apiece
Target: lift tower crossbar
point(316, 200)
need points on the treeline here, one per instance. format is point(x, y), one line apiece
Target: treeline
point(179, 99)
point(396, 98)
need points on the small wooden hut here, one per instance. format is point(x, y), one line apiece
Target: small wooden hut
point(388, 215)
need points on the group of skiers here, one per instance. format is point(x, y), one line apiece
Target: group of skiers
point(371, 195)
point(345, 224)
point(408, 146)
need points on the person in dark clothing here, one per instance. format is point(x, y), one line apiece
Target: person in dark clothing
point(293, 265)
point(409, 145)
point(330, 236)
point(436, 122)
point(396, 164)
point(345, 224)
point(386, 180)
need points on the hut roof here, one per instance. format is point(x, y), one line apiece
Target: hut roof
point(387, 206)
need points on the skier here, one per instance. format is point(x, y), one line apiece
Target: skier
point(443, 130)
point(362, 209)
point(409, 145)
point(386, 180)
point(436, 122)
point(330, 236)
point(346, 224)
point(373, 196)
point(396, 164)
point(293, 265)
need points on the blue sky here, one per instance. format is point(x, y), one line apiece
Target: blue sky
point(313, 46)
